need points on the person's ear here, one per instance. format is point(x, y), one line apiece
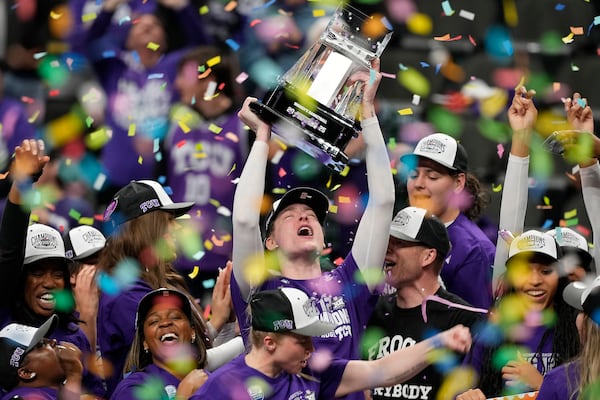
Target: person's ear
point(270, 243)
point(25, 374)
point(270, 343)
point(459, 182)
point(429, 256)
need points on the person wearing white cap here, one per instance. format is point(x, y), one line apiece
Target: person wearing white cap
point(141, 249)
point(438, 181)
point(577, 260)
point(533, 286)
point(35, 281)
point(418, 244)
point(294, 237)
point(279, 365)
point(578, 379)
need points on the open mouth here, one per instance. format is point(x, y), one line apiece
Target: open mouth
point(305, 231)
point(47, 300)
point(169, 338)
point(536, 294)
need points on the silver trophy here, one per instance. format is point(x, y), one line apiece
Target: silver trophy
point(315, 105)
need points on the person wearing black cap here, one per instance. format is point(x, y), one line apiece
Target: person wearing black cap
point(418, 244)
point(438, 181)
point(279, 366)
point(142, 218)
point(33, 366)
point(166, 349)
point(294, 236)
point(578, 379)
point(534, 282)
point(35, 282)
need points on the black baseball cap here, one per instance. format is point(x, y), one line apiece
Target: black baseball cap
point(139, 198)
point(313, 198)
point(584, 296)
point(172, 296)
point(412, 224)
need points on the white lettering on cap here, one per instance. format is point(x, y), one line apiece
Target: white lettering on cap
point(44, 241)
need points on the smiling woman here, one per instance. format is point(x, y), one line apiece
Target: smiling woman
point(166, 350)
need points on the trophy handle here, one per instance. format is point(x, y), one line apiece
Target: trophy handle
point(263, 112)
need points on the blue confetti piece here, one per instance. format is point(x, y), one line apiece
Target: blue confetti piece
point(136, 56)
point(372, 76)
point(108, 54)
point(198, 255)
point(547, 224)
point(156, 76)
point(233, 44)
point(437, 68)
point(387, 23)
point(402, 67)
point(597, 20)
point(158, 156)
point(267, 4)
point(107, 284)
point(162, 179)
point(424, 64)
point(558, 232)
point(208, 284)
point(124, 20)
point(447, 8)
point(168, 190)
point(559, 7)
point(581, 102)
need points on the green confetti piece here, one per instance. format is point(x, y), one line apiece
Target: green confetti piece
point(76, 215)
point(505, 354)
point(63, 301)
point(495, 131)
point(446, 121)
point(414, 82)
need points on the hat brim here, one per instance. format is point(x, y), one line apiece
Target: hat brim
point(572, 294)
point(178, 209)
point(317, 201)
point(402, 236)
point(89, 252)
point(32, 259)
point(147, 302)
point(316, 328)
point(44, 330)
point(412, 159)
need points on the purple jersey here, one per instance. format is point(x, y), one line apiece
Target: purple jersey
point(32, 393)
point(339, 299)
point(562, 383)
point(134, 385)
point(467, 271)
point(14, 124)
point(116, 328)
point(531, 346)
point(202, 164)
point(237, 381)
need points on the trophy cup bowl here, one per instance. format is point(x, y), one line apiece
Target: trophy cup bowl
point(315, 105)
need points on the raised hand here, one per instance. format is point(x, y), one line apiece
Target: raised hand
point(521, 371)
point(522, 113)
point(579, 113)
point(30, 159)
point(248, 117)
point(221, 304)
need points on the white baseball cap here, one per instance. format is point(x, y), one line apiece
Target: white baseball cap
point(441, 148)
point(412, 224)
point(572, 241)
point(584, 295)
point(534, 242)
point(43, 242)
point(287, 309)
point(83, 241)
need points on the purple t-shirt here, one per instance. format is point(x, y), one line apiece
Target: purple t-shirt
point(27, 393)
point(475, 358)
point(237, 381)
point(339, 299)
point(116, 328)
point(14, 123)
point(202, 164)
point(467, 271)
point(134, 384)
point(561, 383)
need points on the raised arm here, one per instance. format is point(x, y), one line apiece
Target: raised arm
point(522, 116)
point(580, 117)
point(247, 241)
point(402, 364)
point(372, 234)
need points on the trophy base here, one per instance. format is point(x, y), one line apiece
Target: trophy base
point(320, 133)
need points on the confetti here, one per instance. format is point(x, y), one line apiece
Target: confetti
point(153, 46)
point(233, 45)
point(447, 8)
point(496, 188)
point(405, 111)
point(466, 15)
point(194, 272)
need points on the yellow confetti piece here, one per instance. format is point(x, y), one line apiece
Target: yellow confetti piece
point(405, 111)
point(183, 126)
point(521, 82)
point(345, 171)
point(216, 203)
point(233, 167)
point(55, 15)
point(203, 10)
point(194, 272)
point(86, 221)
point(153, 46)
point(213, 61)
point(568, 39)
point(131, 130)
point(32, 119)
point(215, 128)
point(88, 17)
point(511, 16)
point(546, 200)
point(336, 187)
point(496, 188)
point(333, 209)
point(318, 13)
point(208, 245)
point(571, 214)
point(200, 155)
point(344, 199)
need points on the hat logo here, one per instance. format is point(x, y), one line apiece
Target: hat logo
point(149, 204)
point(432, 146)
point(402, 218)
point(44, 241)
point(531, 242)
point(283, 325)
point(310, 309)
point(15, 359)
point(110, 209)
point(92, 237)
point(569, 239)
point(305, 195)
